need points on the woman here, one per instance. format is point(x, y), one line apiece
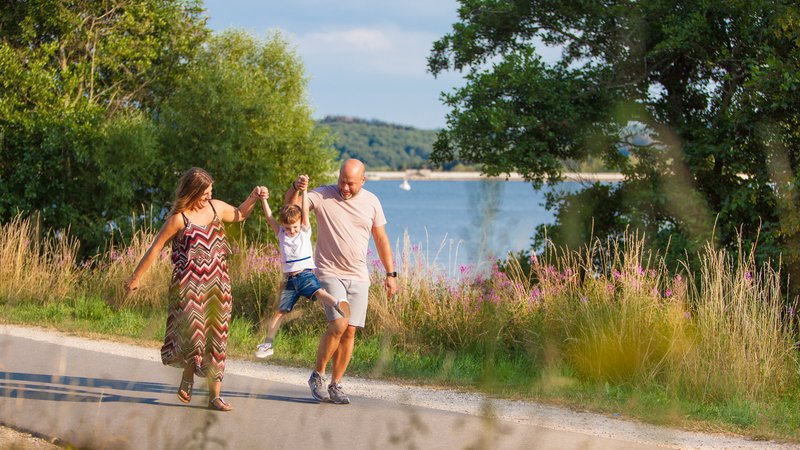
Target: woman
point(200, 291)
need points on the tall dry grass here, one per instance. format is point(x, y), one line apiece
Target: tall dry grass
point(107, 273)
point(614, 311)
point(36, 266)
point(742, 329)
point(611, 312)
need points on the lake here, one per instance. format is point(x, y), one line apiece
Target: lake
point(471, 221)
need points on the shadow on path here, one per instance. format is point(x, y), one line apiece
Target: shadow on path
point(64, 388)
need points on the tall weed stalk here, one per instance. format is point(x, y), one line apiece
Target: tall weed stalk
point(36, 266)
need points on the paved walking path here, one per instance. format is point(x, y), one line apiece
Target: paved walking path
point(106, 395)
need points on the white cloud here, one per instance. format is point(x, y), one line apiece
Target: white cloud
point(378, 49)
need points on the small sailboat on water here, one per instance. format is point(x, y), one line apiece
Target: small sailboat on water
point(404, 185)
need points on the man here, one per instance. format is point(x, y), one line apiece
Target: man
point(346, 217)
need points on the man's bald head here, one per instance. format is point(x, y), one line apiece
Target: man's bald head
point(351, 178)
point(353, 167)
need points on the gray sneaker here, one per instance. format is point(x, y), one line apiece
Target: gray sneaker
point(337, 395)
point(317, 384)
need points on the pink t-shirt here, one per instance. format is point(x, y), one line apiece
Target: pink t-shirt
point(343, 231)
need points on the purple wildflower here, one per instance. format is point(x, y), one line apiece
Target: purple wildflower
point(748, 276)
point(452, 291)
point(534, 260)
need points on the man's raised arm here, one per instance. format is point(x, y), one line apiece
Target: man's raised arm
point(293, 194)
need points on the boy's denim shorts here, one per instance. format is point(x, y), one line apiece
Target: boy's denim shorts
point(303, 284)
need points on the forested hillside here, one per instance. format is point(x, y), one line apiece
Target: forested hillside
point(381, 145)
point(386, 146)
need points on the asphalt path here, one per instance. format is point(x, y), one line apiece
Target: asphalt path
point(98, 400)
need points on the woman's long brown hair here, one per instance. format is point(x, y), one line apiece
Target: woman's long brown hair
point(191, 186)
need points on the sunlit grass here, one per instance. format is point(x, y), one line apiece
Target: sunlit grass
point(608, 327)
point(35, 266)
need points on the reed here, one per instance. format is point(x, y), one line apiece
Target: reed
point(744, 345)
point(106, 273)
point(37, 266)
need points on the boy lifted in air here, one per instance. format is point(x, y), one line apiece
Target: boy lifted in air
point(294, 243)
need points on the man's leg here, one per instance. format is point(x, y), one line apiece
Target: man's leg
point(358, 295)
point(340, 361)
point(330, 343)
point(341, 358)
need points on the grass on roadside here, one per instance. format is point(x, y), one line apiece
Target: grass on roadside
point(607, 328)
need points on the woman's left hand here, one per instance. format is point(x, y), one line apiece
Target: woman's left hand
point(259, 192)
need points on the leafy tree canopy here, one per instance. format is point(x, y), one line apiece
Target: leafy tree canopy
point(242, 112)
point(104, 104)
point(697, 103)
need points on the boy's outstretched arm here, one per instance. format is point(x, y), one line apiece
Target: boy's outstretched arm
point(268, 212)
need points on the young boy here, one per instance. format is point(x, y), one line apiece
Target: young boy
point(294, 243)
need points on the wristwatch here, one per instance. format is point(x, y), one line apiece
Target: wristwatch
point(391, 274)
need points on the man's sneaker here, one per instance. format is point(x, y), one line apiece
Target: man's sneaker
point(264, 349)
point(317, 384)
point(337, 395)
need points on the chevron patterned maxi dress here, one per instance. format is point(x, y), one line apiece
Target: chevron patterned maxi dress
point(199, 300)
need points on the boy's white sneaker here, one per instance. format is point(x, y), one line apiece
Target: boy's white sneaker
point(264, 349)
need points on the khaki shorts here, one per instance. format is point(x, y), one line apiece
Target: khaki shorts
point(356, 292)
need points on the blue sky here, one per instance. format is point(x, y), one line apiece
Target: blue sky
point(363, 58)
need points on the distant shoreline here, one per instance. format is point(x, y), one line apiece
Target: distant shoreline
point(470, 176)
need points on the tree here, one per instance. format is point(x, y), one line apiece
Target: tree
point(79, 82)
point(696, 103)
point(242, 113)
point(104, 104)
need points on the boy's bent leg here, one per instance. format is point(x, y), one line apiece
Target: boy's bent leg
point(332, 302)
point(274, 324)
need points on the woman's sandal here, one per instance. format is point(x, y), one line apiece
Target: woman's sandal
point(218, 404)
point(185, 391)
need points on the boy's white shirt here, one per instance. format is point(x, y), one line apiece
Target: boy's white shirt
point(296, 249)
